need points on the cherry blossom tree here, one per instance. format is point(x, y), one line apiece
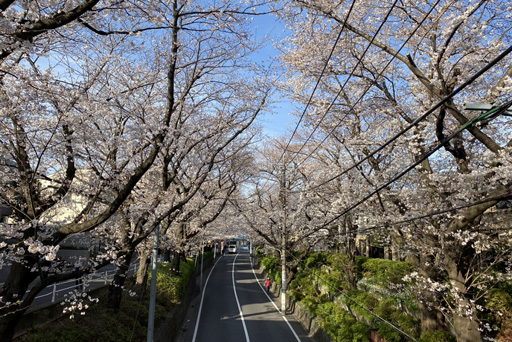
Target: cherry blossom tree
point(92, 93)
point(279, 208)
point(378, 81)
point(60, 140)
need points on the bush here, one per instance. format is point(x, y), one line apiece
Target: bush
point(387, 308)
point(302, 286)
point(384, 272)
point(383, 276)
point(341, 271)
point(340, 324)
point(271, 265)
point(436, 336)
point(316, 260)
point(170, 286)
point(360, 260)
point(498, 301)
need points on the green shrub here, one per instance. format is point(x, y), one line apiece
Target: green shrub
point(340, 324)
point(310, 303)
point(359, 299)
point(360, 260)
point(336, 273)
point(303, 285)
point(383, 272)
point(387, 308)
point(436, 336)
point(207, 255)
point(499, 300)
point(316, 260)
point(170, 286)
point(273, 268)
point(387, 332)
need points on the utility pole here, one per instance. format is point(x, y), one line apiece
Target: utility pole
point(283, 242)
point(152, 296)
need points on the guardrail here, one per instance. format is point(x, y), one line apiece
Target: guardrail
point(83, 282)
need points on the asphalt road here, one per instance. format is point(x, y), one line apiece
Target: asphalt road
point(234, 307)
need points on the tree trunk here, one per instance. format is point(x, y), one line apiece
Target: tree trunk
point(350, 271)
point(348, 238)
point(115, 289)
point(465, 320)
point(430, 317)
point(176, 261)
point(142, 271)
point(11, 292)
point(166, 255)
point(466, 328)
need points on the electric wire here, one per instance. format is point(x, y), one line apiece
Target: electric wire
point(319, 78)
point(431, 214)
point(420, 118)
point(353, 70)
point(359, 60)
point(487, 115)
point(340, 291)
point(315, 88)
point(323, 71)
point(364, 92)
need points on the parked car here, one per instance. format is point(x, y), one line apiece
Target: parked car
point(232, 249)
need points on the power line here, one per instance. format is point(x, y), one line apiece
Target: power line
point(316, 86)
point(422, 117)
point(487, 115)
point(366, 90)
point(319, 78)
point(340, 291)
point(322, 73)
point(432, 214)
point(359, 60)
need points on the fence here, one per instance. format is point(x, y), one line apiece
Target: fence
point(92, 280)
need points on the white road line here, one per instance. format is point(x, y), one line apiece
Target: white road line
point(202, 298)
point(237, 301)
point(270, 299)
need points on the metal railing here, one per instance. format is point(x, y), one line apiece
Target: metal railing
point(58, 290)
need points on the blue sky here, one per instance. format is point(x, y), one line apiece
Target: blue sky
point(280, 121)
